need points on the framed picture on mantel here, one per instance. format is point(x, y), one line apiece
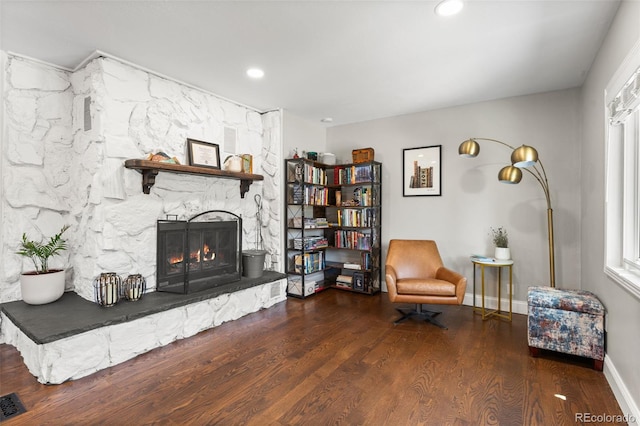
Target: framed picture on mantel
point(203, 154)
point(422, 171)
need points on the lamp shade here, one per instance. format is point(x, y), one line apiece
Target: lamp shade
point(469, 149)
point(510, 174)
point(524, 156)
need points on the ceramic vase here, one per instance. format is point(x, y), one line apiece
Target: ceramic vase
point(502, 253)
point(39, 289)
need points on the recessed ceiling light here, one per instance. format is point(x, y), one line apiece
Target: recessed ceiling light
point(327, 120)
point(255, 73)
point(449, 7)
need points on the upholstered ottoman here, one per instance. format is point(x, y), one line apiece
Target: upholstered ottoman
point(567, 321)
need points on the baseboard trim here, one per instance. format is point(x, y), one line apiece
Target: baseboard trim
point(519, 306)
point(628, 406)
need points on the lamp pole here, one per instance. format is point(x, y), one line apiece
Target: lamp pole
point(471, 148)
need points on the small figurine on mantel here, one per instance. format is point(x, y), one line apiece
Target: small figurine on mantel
point(161, 157)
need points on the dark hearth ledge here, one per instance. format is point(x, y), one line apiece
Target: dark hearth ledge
point(71, 314)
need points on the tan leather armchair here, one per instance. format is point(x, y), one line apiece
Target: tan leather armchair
point(415, 274)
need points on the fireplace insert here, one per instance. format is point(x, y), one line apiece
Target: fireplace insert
point(200, 253)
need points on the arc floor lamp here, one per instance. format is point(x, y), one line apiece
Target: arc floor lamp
point(522, 158)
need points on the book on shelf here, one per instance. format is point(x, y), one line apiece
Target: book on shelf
point(309, 222)
point(366, 260)
point(310, 243)
point(365, 217)
point(345, 175)
point(314, 175)
point(309, 263)
point(318, 222)
point(316, 196)
point(349, 265)
point(352, 240)
point(480, 258)
point(346, 279)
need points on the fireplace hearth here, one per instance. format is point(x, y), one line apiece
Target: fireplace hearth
point(200, 253)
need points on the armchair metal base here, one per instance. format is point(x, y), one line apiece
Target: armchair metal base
point(428, 316)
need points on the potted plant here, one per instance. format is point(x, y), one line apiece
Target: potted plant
point(42, 285)
point(501, 241)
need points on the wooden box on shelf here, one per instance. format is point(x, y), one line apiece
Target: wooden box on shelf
point(362, 155)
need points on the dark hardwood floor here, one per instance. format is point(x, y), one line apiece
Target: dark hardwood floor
point(335, 358)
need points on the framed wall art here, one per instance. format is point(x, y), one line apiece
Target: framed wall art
point(422, 171)
point(203, 154)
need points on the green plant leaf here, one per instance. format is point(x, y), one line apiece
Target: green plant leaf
point(40, 253)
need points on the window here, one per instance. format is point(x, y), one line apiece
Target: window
point(622, 222)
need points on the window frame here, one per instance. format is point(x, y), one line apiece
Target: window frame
point(622, 178)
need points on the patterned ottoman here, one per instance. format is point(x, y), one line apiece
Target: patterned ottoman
point(567, 321)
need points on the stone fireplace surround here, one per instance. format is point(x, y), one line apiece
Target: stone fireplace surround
point(73, 337)
point(68, 135)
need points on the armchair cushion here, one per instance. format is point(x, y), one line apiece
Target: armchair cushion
point(426, 286)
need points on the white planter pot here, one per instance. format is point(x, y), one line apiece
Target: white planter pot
point(502, 253)
point(38, 289)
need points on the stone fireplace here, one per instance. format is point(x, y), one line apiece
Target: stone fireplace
point(68, 136)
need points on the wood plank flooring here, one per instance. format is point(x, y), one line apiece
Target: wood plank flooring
point(335, 358)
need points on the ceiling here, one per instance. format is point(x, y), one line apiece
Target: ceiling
point(349, 60)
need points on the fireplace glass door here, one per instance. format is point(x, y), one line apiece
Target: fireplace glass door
point(194, 256)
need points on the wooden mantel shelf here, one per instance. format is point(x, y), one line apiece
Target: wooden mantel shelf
point(150, 169)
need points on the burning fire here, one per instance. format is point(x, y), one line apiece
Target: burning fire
point(194, 256)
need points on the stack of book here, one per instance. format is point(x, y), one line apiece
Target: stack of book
point(309, 222)
point(310, 243)
point(318, 222)
point(479, 258)
point(344, 281)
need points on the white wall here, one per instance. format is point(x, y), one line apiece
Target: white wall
point(472, 199)
point(36, 162)
point(623, 320)
point(303, 135)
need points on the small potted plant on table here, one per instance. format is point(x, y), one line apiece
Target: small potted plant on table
point(501, 241)
point(43, 285)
